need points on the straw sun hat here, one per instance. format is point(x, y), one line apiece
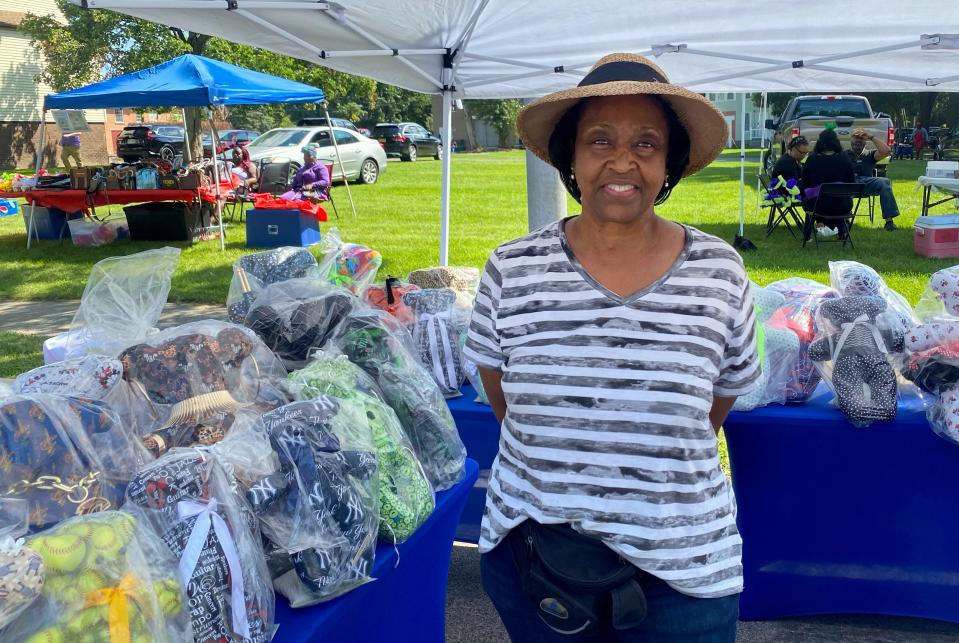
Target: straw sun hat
point(626, 75)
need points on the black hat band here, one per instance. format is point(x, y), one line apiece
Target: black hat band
point(622, 70)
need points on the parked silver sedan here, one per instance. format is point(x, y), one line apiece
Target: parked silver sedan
point(363, 158)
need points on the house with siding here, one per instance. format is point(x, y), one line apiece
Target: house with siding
point(21, 96)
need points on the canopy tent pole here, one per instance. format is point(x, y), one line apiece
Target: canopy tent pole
point(36, 172)
point(187, 155)
point(446, 133)
point(216, 176)
point(336, 150)
point(762, 152)
point(741, 241)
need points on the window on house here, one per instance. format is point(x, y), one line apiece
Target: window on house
point(746, 121)
point(730, 96)
point(138, 117)
point(118, 115)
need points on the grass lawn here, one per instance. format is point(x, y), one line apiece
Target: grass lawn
point(399, 216)
point(19, 353)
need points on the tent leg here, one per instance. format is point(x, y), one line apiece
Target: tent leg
point(446, 133)
point(216, 177)
point(36, 171)
point(336, 150)
point(741, 242)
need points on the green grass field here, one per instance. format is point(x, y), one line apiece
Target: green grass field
point(399, 216)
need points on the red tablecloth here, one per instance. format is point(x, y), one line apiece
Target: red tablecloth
point(77, 200)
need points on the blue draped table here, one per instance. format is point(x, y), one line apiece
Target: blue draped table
point(406, 603)
point(836, 519)
point(479, 431)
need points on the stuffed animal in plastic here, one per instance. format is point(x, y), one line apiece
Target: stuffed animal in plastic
point(405, 495)
point(778, 349)
point(782, 192)
point(197, 374)
point(211, 531)
point(436, 337)
point(319, 496)
point(857, 341)
point(253, 272)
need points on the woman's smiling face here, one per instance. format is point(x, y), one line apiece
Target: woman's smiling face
point(619, 156)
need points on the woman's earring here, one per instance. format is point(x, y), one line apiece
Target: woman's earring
point(666, 184)
point(572, 175)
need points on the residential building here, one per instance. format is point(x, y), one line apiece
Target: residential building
point(730, 104)
point(21, 96)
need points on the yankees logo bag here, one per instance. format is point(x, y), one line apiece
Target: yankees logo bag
point(210, 530)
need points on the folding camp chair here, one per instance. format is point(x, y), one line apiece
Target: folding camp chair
point(782, 205)
point(855, 191)
point(236, 203)
point(274, 177)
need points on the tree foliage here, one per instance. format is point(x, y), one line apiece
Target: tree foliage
point(93, 44)
point(500, 114)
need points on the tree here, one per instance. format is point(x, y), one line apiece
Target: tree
point(94, 43)
point(500, 114)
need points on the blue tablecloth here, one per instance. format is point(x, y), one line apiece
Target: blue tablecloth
point(479, 431)
point(836, 519)
point(406, 603)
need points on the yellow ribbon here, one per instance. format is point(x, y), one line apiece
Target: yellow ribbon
point(118, 609)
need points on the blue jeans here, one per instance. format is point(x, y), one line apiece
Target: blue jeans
point(882, 187)
point(672, 617)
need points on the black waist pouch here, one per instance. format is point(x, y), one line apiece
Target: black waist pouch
point(576, 582)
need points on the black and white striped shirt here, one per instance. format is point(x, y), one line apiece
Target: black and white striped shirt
point(608, 398)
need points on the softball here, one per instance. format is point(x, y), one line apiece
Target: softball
point(168, 596)
point(105, 540)
point(90, 580)
point(61, 553)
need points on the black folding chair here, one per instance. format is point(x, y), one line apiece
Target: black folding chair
point(782, 208)
point(274, 177)
point(829, 191)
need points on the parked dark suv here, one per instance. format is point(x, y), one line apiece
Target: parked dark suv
point(143, 141)
point(407, 141)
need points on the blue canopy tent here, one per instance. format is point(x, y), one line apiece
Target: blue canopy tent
point(186, 81)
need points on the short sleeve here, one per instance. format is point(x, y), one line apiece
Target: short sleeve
point(482, 340)
point(740, 368)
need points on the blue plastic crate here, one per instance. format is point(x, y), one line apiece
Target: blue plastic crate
point(48, 223)
point(275, 228)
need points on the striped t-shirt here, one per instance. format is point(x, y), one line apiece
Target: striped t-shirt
point(608, 398)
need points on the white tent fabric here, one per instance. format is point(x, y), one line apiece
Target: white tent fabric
point(520, 49)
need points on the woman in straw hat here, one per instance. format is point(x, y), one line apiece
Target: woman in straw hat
point(612, 345)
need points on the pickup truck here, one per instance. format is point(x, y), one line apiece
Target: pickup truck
point(809, 115)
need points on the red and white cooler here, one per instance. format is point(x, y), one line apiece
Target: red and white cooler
point(936, 236)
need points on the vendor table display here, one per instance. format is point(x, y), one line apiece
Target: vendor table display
point(838, 519)
point(407, 602)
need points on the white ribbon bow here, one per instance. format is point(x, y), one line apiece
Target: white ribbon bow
point(847, 329)
point(426, 319)
point(206, 517)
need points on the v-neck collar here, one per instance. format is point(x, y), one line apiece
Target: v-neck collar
point(595, 283)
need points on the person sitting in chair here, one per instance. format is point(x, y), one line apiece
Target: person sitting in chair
point(789, 166)
point(243, 168)
point(312, 181)
point(864, 164)
point(827, 164)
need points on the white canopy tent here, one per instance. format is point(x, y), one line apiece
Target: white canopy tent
point(520, 49)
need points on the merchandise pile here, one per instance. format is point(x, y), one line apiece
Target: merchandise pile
point(162, 484)
point(864, 342)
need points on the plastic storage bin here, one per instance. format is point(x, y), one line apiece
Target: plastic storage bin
point(49, 222)
point(936, 236)
point(162, 221)
point(97, 233)
point(275, 228)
